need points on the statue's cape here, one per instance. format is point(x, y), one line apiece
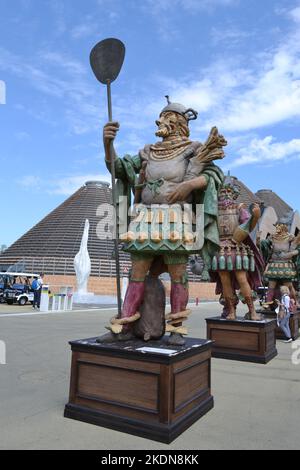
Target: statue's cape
point(128, 167)
point(209, 199)
point(266, 250)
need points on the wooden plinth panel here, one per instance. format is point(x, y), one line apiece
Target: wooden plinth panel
point(294, 324)
point(242, 340)
point(150, 393)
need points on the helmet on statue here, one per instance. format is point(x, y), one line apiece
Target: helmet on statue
point(188, 113)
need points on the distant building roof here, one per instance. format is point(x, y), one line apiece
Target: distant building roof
point(60, 232)
point(272, 199)
point(56, 239)
point(246, 196)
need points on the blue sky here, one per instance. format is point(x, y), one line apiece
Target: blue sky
point(236, 61)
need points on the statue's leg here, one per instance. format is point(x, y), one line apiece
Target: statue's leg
point(133, 299)
point(228, 295)
point(179, 298)
point(136, 288)
point(225, 310)
point(241, 277)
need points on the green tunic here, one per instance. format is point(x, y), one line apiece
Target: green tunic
point(278, 269)
point(128, 168)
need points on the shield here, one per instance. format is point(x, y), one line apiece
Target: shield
point(106, 59)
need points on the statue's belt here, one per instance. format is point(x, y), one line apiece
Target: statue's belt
point(277, 255)
point(153, 185)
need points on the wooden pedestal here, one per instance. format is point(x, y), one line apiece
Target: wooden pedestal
point(242, 340)
point(294, 324)
point(152, 393)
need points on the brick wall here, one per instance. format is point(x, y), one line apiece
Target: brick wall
point(107, 286)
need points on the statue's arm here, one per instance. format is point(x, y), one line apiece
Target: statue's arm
point(266, 249)
point(199, 172)
point(245, 215)
point(193, 180)
point(198, 177)
point(199, 182)
point(110, 131)
point(119, 170)
point(125, 168)
point(184, 189)
point(289, 255)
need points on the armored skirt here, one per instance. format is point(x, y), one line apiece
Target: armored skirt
point(279, 269)
point(163, 230)
point(233, 257)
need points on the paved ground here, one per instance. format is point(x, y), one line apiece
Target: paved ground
point(256, 406)
point(15, 308)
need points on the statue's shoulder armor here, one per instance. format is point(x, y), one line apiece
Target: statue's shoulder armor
point(145, 153)
point(195, 146)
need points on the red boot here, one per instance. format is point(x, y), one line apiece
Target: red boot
point(133, 299)
point(179, 298)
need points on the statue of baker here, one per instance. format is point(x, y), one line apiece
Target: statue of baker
point(167, 178)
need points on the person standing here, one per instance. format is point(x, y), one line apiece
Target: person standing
point(284, 313)
point(37, 290)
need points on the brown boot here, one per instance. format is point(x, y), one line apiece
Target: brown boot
point(230, 305)
point(252, 314)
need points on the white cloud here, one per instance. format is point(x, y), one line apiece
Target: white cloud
point(38, 77)
point(2, 92)
point(59, 14)
point(266, 151)
point(31, 182)
point(89, 26)
point(60, 76)
point(295, 14)
point(82, 30)
point(22, 135)
point(63, 61)
point(242, 97)
point(69, 184)
point(164, 11)
point(65, 185)
point(188, 5)
point(232, 36)
point(238, 96)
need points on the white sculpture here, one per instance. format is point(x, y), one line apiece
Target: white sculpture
point(82, 262)
point(82, 265)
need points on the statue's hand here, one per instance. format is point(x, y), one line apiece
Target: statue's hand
point(181, 192)
point(287, 255)
point(256, 212)
point(293, 253)
point(109, 132)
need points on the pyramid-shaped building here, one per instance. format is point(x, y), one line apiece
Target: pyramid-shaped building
point(51, 245)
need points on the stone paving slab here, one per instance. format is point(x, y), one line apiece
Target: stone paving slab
point(256, 406)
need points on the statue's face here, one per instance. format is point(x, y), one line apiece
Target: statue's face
point(226, 194)
point(167, 124)
point(281, 229)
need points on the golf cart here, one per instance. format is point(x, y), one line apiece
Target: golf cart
point(17, 287)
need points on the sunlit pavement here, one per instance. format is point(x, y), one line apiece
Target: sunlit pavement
point(6, 309)
point(256, 406)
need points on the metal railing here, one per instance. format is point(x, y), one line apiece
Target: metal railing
point(65, 266)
